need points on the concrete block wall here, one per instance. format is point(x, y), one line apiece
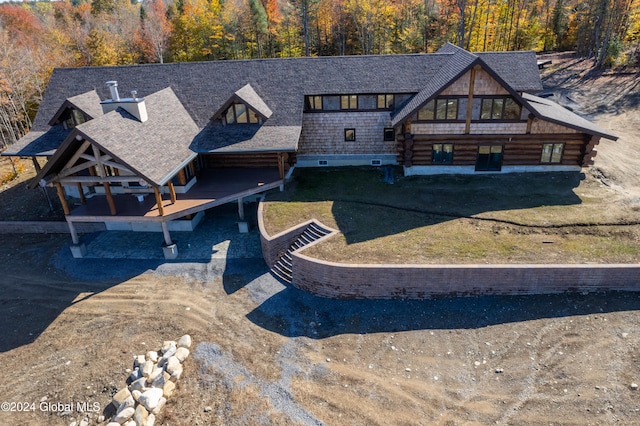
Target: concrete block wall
point(323, 133)
point(335, 280)
point(37, 227)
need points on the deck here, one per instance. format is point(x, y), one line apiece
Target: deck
point(213, 188)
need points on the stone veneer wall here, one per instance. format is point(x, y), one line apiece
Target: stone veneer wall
point(370, 281)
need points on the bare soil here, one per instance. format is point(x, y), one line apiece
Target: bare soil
point(268, 354)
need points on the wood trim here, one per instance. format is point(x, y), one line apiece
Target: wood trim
point(159, 201)
point(36, 165)
point(98, 180)
point(529, 124)
point(472, 80)
point(110, 201)
point(63, 199)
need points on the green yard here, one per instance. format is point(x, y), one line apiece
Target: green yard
point(514, 218)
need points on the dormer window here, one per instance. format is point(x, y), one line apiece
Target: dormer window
point(73, 118)
point(240, 113)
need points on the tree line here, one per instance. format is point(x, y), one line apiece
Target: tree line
point(35, 37)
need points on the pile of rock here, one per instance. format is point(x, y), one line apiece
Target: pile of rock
point(151, 383)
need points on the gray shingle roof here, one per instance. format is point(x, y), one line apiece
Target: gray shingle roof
point(154, 149)
point(548, 110)
point(251, 98)
point(276, 85)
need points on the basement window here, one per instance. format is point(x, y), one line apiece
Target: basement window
point(552, 153)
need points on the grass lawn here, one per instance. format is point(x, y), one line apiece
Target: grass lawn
point(511, 218)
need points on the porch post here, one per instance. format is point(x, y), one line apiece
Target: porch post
point(165, 232)
point(159, 201)
point(81, 192)
point(172, 193)
point(78, 250)
point(281, 165)
point(36, 164)
point(112, 204)
point(241, 208)
point(63, 199)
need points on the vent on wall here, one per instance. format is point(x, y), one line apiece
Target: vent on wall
point(323, 163)
point(376, 162)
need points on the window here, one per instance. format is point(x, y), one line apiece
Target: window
point(552, 152)
point(385, 101)
point(489, 158)
point(74, 118)
point(439, 109)
point(389, 134)
point(442, 153)
point(313, 103)
point(349, 102)
point(240, 114)
point(499, 109)
point(349, 135)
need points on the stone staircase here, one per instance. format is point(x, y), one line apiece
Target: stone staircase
point(282, 268)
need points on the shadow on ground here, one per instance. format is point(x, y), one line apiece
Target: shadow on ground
point(41, 279)
point(362, 201)
point(294, 313)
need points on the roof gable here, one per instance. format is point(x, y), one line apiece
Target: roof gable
point(88, 103)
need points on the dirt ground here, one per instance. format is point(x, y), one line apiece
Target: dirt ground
point(264, 353)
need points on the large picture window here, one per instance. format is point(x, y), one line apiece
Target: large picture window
point(442, 153)
point(439, 109)
point(503, 108)
point(240, 114)
point(552, 153)
point(74, 118)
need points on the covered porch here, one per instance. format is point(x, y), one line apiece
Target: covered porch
point(214, 187)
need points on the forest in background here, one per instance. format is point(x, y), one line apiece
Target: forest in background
point(36, 37)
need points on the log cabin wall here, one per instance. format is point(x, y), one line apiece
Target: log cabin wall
point(323, 133)
point(212, 161)
point(522, 140)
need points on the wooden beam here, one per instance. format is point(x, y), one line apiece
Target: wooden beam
point(96, 179)
point(83, 199)
point(472, 81)
point(76, 169)
point(77, 155)
point(99, 166)
point(529, 123)
point(112, 204)
point(159, 201)
point(63, 198)
point(172, 193)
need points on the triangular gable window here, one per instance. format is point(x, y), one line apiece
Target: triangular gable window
point(72, 118)
point(240, 113)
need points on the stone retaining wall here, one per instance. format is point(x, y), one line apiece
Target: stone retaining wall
point(370, 281)
point(44, 227)
point(337, 280)
point(274, 246)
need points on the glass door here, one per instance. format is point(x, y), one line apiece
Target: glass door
point(489, 158)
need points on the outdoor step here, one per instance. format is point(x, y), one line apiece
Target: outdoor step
point(287, 262)
point(318, 229)
point(306, 240)
point(283, 277)
point(310, 234)
point(282, 269)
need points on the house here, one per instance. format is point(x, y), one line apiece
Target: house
point(195, 135)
